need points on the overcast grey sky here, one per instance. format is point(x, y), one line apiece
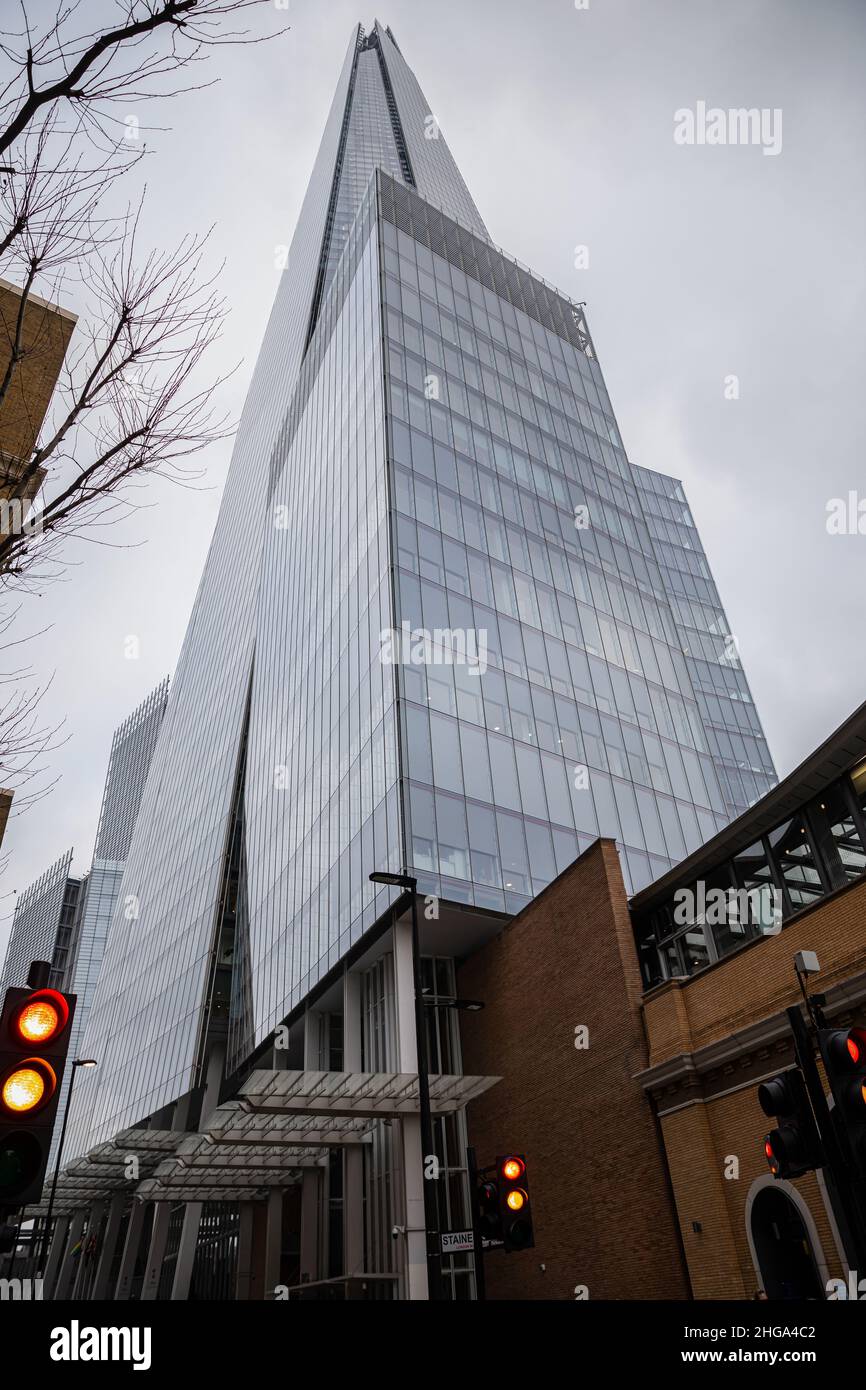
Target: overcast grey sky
point(703, 262)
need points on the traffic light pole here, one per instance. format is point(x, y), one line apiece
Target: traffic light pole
point(837, 1161)
point(431, 1217)
point(46, 1235)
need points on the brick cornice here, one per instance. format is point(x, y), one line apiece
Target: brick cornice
point(742, 1045)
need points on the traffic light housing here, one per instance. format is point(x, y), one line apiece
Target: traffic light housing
point(795, 1147)
point(515, 1207)
point(35, 1030)
point(487, 1204)
point(843, 1051)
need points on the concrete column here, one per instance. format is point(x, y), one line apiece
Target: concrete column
point(68, 1265)
point(213, 1081)
point(177, 1114)
point(311, 1201)
point(55, 1255)
point(94, 1222)
point(353, 1155)
point(413, 1158)
point(244, 1277)
point(186, 1251)
point(156, 1252)
point(273, 1241)
point(313, 1192)
point(102, 1277)
point(192, 1211)
point(132, 1241)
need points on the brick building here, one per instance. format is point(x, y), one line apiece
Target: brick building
point(644, 1147)
point(39, 342)
point(568, 1099)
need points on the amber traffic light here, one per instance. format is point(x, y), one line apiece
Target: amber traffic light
point(28, 1087)
point(35, 1030)
point(515, 1208)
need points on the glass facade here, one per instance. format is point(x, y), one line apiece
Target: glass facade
point(427, 455)
point(818, 850)
point(519, 523)
point(321, 797)
point(39, 912)
point(131, 753)
point(68, 934)
point(734, 733)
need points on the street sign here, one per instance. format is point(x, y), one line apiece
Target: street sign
point(455, 1241)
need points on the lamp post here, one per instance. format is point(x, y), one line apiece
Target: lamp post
point(431, 1215)
point(79, 1062)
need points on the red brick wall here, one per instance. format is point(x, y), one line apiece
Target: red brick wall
point(600, 1203)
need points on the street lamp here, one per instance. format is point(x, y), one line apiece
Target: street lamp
point(431, 1215)
point(79, 1062)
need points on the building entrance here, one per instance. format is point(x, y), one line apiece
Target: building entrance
point(783, 1248)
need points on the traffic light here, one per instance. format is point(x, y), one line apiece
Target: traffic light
point(487, 1202)
point(795, 1147)
point(844, 1053)
point(515, 1209)
point(35, 1028)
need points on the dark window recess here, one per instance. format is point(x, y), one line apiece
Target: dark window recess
point(796, 862)
point(837, 835)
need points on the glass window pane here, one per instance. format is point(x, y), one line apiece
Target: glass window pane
point(791, 848)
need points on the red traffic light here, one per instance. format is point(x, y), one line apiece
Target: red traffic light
point(856, 1044)
point(513, 1168)
point(844, 1048)
point(40, 1018)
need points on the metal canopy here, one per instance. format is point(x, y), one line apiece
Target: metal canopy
point(375, 1095)
point(280, 1125)
point(233, 1124)
point(102, 1173)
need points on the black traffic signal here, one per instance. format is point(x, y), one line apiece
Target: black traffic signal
point(515, 1208)
point(487, 1204)
point(35, 1028)
point(844, 1054)
point(795, 1147)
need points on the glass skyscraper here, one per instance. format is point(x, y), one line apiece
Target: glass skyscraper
point(444, 625)
point(131, 751)
point(44, 926)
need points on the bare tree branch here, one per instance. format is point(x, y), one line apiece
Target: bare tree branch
point(132, 399)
